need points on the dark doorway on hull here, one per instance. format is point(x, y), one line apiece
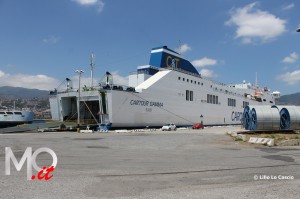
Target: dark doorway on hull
point(103, 102)
point(89, 111)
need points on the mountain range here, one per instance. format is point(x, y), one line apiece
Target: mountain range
point(11, 93)
point(292, 99)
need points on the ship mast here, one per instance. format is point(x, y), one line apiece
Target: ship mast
point(256, 81)
point(92, 64)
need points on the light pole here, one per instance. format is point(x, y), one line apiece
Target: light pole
point(79, 72)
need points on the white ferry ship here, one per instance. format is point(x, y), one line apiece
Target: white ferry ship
point(168, 90)
point(14, 118)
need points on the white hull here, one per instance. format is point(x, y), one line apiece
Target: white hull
point(166, 103)
point(13, 118)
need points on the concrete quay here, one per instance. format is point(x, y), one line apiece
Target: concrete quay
point(204, 163)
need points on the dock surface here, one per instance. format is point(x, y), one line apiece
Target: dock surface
point(178, 164)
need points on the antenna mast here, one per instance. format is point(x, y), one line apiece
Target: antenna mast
point(256, 81)
point(92, 64)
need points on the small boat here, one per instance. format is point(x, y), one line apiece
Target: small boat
point(14, 118)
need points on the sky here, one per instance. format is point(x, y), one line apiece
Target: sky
point(42, 42)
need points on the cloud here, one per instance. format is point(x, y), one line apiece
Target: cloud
point(118, 79)
point(254, 24)
point(290, 78)
point(2, 74)
point(97, 3)
point(208, 73)
point(183, 48)
point(51, 39)
point(41, 82)
point(288, 7)
point(204, 62)
point(292, 58)
point(44, 82)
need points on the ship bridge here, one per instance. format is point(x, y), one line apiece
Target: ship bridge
point(162, 58)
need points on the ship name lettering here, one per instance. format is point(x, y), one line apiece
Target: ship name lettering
point(158, 104)
point(139, 102)
point(236, 116)
point(146, 103)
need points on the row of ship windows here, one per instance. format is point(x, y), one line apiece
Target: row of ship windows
point(231, 102)
point(214, 99)
point(192, 81)
point(201, 83)
point(10, 113)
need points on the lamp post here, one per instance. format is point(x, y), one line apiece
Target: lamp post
point(79, 72)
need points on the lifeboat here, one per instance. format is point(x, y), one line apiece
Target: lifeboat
point(258, 93)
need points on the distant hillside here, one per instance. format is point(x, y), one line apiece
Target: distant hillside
point(292, 99)
point(8, 92)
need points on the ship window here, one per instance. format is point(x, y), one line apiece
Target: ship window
point(198, 83)
point(183, 79)
point(187, 80)
point(195, 82)
point(9, 113)
point(271, 102)
point(201, 84)
point(187, 95)
point(264, 100)
point(231, 102)
point(212, 99)
point(191, 81)
point(178, 78)
point(18, 113)
point(2, 113)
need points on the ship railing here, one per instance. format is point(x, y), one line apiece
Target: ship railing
point(116, 87)
point(75, 90)
point(196, 75)
point(183, 71)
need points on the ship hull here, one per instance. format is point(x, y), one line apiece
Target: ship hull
point(168, 90)
point(165, 101)
point(14, 118)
